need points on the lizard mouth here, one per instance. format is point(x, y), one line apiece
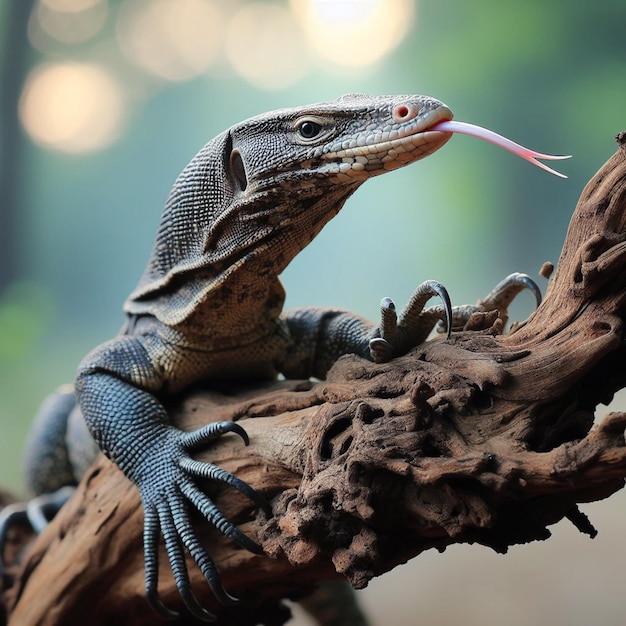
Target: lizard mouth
point(414, 139)
point(449, 126)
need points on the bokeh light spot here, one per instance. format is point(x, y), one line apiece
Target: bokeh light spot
point(265, 45)
point(74, 107)
point(66, 22)
point(354, 32)
point(175, 40)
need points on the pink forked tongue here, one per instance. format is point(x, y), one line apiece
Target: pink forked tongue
point(503, 142)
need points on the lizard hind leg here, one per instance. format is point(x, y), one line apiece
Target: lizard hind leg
point(34, 515)
point(47, 464)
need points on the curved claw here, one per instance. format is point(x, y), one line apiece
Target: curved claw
point(529, 283)
point(499, 299)
point(151, 532)
point(505, 291)
point(381, 350)
point(443, 294)
point(200, 555)
point(174, 548)
point(409, 317)
point(152, 596)
point(197, 438)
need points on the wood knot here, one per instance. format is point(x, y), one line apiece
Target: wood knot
point(485, 321)
point(420, 393)
point(621, 138)
point(546, 270)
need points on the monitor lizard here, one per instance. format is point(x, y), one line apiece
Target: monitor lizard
point(209, 307)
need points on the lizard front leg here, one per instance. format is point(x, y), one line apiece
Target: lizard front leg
point(117, 388)
point(415, 322)
point(320, 336)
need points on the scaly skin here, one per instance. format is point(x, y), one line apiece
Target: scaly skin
point(209, 304)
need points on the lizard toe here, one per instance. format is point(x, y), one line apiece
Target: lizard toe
point(174, 530)
point(213, 472)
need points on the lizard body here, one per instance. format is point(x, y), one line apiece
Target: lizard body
point(209, 304)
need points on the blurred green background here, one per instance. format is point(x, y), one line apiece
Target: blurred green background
point(102, 104)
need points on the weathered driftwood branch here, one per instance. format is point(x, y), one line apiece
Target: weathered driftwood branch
point(485, 438)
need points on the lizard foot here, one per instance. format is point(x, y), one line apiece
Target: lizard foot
point(498, 299)
point(167, 486)
point(35, 514)
point(396, 335)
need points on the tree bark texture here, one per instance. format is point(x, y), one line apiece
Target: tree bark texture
point(488, 437)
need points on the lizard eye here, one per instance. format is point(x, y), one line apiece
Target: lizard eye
point(309, 129)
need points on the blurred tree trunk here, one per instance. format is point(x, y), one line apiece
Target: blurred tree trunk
point(14, 62)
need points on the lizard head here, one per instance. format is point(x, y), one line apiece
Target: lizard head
point(258, 193)
point(342, 142)
point(294, 168)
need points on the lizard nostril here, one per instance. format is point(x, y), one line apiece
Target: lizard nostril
point(404, 113)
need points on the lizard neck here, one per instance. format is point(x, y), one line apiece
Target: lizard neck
point(235, 291)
